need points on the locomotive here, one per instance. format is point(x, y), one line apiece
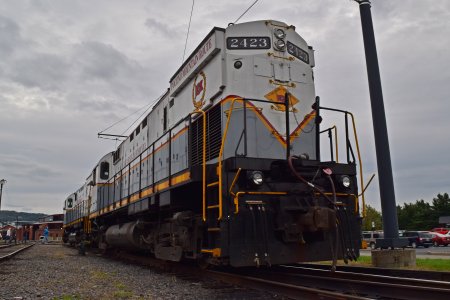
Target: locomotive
point(226, 168)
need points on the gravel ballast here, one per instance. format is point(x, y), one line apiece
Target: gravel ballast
point(59, 272)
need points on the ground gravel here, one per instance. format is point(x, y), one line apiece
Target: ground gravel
point(59, 272)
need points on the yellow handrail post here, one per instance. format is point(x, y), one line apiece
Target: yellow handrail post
point(222, 146)
point(360, 162)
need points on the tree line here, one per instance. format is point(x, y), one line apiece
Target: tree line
point(420, 215)
point(8, 216)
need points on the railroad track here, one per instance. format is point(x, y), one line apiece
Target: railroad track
point(8, 251)
point(308, 281)
point(429, 275)
point(194, 272)
point(367, 286)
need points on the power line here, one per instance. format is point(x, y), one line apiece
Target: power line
point(245, 11)
point(189, 27)
point(126, 117)
point(136, 120)
point(149, 106)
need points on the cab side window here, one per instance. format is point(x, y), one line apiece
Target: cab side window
point(104, 170)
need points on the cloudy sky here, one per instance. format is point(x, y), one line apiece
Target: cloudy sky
point(69, 69)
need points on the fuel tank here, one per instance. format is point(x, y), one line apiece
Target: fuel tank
point(125, 236)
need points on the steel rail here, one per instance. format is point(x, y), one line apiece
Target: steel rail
point(275, 286)
point(301, 283)
point(368, 285)
point(417, 274)
point(8, 256)
point(370, 277)
point(232, 277)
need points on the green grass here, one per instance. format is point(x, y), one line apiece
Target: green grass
point(122, 291)
point(433, 264)
point(68, 297)
point(424, 264)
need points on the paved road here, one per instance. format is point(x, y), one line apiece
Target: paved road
point(431, 252)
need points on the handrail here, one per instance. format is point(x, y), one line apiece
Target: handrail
point(222, 146)
point(335, 141)
point(357, 150)
point(200, 111)
point(360, 164)
point(234, 181)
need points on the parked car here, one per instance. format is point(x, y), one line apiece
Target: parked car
point(370, 237)
point(441, 230)
point(419, 238)
point(440, 239)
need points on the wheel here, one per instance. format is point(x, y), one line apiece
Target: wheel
point(426, 246)
point(372, 245)
point(414, 245)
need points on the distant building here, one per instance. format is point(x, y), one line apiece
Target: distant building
point(55, 227)
point(33, 230)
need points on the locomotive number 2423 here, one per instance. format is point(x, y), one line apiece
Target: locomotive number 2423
point(248, 43)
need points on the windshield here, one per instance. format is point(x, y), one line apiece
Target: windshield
point(425, 235)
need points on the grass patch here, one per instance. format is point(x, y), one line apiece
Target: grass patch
point(433, 264)
point(68, 297)
point(59, 255)
point(423, 264)
point(122, 291)
point(99, 275)
point(121, 294)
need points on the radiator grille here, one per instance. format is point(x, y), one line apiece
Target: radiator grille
point(213, 136)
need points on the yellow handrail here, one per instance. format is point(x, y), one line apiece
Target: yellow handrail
point(200, 111)
point(234, 181)
point(222, 146)
point(360, 164)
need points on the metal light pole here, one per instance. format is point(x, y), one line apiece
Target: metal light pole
point(2, 182)
point(386, 181)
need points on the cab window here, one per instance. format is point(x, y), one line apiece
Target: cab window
point(104, 170)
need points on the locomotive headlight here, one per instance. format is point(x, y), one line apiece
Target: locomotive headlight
point(345, 180)
point(256, 177)
point(279, 34)
point(279, 45)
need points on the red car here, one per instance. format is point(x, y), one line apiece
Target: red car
point(441, 230)
point(440, 239)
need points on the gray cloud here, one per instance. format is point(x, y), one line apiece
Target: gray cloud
point(9, 36)
point(165, 30)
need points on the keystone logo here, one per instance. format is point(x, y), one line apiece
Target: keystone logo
point(199, 90)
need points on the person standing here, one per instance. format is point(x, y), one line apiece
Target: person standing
point(13, 236)
point(46, 235)
point(8, 236)
point(25, 235)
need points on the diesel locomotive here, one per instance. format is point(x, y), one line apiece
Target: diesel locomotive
point(226, 168)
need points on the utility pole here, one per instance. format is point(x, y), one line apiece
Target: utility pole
point(2, 182)
point(386, 181)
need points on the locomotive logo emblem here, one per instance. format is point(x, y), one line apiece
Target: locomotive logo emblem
point(199, 90)
point(277, 95)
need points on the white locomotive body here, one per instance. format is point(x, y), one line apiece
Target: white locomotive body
point(224, 166)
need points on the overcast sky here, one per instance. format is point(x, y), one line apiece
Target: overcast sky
point(69, 69)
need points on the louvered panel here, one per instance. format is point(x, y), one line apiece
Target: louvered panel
point(213, 136)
